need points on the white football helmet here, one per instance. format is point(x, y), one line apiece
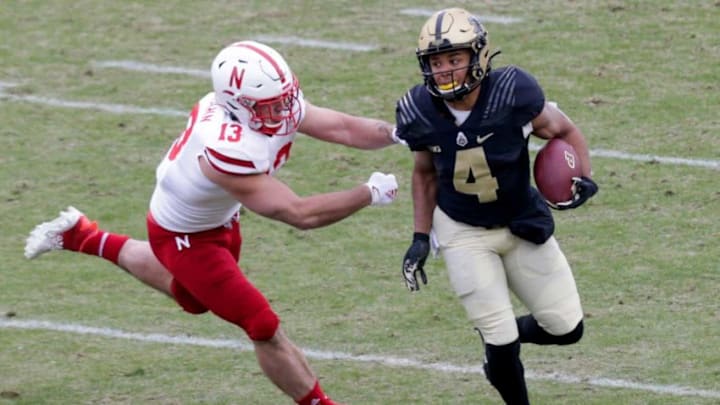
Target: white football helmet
point(255, 84)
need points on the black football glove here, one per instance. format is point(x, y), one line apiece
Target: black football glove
point(415, 260)
point(583, 189)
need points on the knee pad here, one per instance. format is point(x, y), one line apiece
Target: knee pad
point(505, 372)
point(531, 332)
point(571, 337)
point(236, 300)
point(261, 325)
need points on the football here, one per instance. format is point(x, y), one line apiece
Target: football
point(555, 165)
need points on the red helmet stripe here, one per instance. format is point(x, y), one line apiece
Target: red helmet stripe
point(266, 56)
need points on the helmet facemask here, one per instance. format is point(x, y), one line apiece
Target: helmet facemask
point(454, 90)
point(268, 115)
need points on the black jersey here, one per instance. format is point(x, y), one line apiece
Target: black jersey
point(483, 164)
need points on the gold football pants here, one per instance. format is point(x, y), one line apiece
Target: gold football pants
point(486, 265)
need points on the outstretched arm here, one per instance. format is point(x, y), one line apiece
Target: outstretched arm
point(345, 129)
point(269, 197)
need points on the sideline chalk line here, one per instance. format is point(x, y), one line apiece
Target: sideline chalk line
point(390, 361)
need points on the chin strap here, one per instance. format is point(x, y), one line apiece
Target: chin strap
point(494, 54)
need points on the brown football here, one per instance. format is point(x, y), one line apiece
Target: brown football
point(555, 165)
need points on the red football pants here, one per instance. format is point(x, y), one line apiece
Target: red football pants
point(206, 276)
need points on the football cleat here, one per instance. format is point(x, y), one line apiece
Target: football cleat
point(68, 231)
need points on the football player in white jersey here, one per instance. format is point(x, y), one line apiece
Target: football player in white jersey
point(236, 138)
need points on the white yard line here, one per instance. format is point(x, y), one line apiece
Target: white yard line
point(129, 109)
point(4, 85)
point(315, 43)
point(614, 154)
point(498, 19)
point(151, 68)
point(390, 361)
point(90, 105)
point(605, 153)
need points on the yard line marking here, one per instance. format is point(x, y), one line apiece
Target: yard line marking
point(614, 154)
point(150, 68)
point(4, 85)
point(423, 12)
point(89, 105)
point(316, 43)
point(713, 164)
point(390, 361)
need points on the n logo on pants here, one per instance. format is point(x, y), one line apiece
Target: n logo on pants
point(183, 242)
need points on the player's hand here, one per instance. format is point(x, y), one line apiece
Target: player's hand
point(415, 260)
point(583, 188)
point(383, 188)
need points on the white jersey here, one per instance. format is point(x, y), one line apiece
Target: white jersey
point(184, 200)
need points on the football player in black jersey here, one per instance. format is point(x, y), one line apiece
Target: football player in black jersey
point(468, 126)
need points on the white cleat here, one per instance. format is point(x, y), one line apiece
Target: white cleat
point(49, 235)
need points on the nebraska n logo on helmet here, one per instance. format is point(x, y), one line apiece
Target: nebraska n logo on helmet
point(255, 84)
point(448, 30)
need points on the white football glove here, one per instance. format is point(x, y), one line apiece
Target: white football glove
point(383, 188)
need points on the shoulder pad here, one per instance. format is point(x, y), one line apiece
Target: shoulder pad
point(512, 88)
point(411, 115)
point(247, 155)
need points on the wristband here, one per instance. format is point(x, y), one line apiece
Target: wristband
point(419, 236)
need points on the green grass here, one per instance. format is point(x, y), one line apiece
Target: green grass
point(639, 77)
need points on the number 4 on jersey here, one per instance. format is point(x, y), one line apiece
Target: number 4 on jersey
point(473, 176)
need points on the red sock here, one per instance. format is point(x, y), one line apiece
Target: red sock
point(316, 396)
point(85, 237)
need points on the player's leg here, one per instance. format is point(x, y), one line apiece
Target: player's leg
point(73, 231)
point(541, 277)
point(477, 275)
point(287, 367)
point(206, 276)
point(137, 258)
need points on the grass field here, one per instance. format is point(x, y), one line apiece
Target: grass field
point(641, 78)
